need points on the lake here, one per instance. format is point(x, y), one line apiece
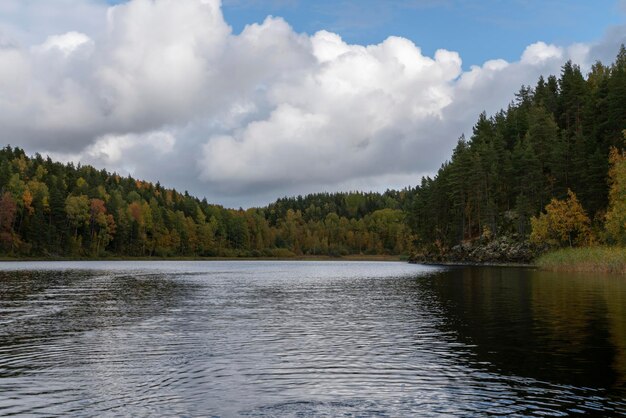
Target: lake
point(270, 338)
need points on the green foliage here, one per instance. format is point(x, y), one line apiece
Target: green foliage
point(8, 209)
point(553, 137)
point(51, 209)
point(616, 213)
point(77, 210)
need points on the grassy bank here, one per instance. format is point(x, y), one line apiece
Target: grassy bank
point(585, 259)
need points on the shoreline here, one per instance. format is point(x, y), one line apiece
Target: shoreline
point(355, 258)
point(381, 258)
point(474, 264)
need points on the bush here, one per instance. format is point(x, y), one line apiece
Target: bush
point(564, 223)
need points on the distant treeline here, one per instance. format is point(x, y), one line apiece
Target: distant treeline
point(555, 136)
point(51, 209)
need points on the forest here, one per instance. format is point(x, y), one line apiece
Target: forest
point(552, 142)
point(50, 209)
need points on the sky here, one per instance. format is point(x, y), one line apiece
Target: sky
point(246, 101)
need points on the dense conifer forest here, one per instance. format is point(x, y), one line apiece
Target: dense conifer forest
point(553, 141)
point(553, 138)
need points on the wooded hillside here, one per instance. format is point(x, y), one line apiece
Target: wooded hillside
point(53, 209)
point(554, 137)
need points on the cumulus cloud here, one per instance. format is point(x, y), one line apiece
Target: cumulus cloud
point(32, 21)
point(353, 109)
point(539, 52)
point(165, 91)
point(65, 44)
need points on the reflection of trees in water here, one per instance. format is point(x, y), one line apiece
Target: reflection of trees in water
point(593, 309)
point(556, 328)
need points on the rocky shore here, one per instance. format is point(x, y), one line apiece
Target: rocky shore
point(500, 250)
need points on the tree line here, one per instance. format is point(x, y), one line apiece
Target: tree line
point(552, 141)
point(50, 209)
point(556, 146)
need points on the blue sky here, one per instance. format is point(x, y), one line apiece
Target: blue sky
point(478, 29)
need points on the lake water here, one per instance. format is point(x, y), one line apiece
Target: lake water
point(248, 338)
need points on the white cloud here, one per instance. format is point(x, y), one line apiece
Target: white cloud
point(342, 120)
point(113, 148)
point(15, 72)
point(30, 22)
point(164, 90)
point(66, 44)
point(122, 151)
point(540, 52)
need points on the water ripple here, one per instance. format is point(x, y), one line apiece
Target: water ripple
point(300, 339)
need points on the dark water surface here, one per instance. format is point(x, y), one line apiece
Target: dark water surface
point(308, 339)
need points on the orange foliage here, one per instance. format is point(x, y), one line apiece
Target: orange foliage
point(27, 198)
point(97, 207)
point(145, 185)
point(134, 210)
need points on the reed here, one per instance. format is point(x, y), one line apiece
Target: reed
point(600, 259)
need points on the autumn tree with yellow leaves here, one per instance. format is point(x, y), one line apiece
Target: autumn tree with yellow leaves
point(564, 222)
point(615, 224)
